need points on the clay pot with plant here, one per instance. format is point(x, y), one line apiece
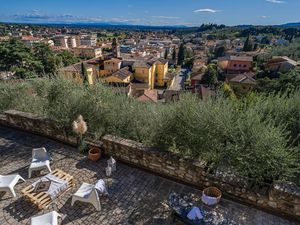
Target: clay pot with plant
point(80, 128)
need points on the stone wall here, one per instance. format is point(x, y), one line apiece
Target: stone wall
point(282, 198)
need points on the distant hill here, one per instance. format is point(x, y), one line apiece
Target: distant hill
point(290, 25)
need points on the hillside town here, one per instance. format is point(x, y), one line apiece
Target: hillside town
point(157, 65)
point(113, 122)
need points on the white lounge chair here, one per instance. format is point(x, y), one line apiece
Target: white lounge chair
point(87, 193)
point(8, 182)
point(46, 219)
point(40, 160)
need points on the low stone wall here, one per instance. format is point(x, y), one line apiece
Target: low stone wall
point(40, 125)
point(282, 198)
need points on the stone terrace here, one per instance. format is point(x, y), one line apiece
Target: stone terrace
point(136, 197)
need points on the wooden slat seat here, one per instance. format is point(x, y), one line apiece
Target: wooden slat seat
point(42, 200)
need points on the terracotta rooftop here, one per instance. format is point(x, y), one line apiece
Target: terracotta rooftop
point(148, 96)
point(245, 78)
point(122, 73)
point(236, 58)
point(142, 64)
point(76, 67)
point(280, 59)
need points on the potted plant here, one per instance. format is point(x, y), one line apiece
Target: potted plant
point(94, 154)
point(80, 128)
point(211, 196)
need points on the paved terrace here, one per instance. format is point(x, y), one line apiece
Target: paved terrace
point(136, 197)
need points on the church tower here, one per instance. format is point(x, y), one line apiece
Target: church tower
point(116, 49)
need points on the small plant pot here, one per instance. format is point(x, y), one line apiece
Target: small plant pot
point(211, 196)
point(94, 154)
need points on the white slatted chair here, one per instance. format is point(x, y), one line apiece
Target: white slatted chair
point(8, 182)
point(87, 193)
point(40, 160)
point(46, 219)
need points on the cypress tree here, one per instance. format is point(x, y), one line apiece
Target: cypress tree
point(166, 53)
point(84, 75)
point(248, 45)
point(174, 54)
point(181, 55)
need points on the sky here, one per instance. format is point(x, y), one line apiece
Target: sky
point(152, 12)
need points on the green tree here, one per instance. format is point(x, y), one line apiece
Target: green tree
point(67, 58)
point(220, 51)
point(84, 75)
point(166, 53)
point(248, 47)
point(16, 57)
point(210, 76)
point(174, 54)
point(181, 55)
point(47, 57)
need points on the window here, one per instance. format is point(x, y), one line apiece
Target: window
point(240, 65)
point(234, 65)
point(245, 66)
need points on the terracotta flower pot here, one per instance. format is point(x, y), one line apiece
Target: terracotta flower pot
point(211, 196)
point(94, 154)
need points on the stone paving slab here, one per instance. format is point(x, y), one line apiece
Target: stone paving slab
point(135, 197)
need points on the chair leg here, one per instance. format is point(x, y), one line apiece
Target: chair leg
point(21, 178)
point(97, 205)
point(12, 191)
point(73, 201)
point(29, 173)
point(48, 168)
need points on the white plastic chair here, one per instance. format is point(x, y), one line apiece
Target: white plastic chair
point(40, 160)
point(46, 219)
point(87, 193)
point(8, 182)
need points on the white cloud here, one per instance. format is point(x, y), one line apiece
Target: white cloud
point(275, 1)
point(206, 11)
point(265, 17)
point(165, 17)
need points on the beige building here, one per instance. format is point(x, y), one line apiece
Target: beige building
point(87, 52)
point(61, 41)
point(72, 42)
point(111, 66)
point(74, 72)
point(281, 64)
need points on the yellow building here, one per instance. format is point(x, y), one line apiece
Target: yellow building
point(150, 72)
point(120, 78)
point(161, 71)
point(73, 72)
point(110, 66)
point(241, 83)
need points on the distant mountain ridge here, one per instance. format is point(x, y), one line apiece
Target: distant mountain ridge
point(297, 24)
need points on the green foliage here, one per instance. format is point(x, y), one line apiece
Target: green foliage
point(248, 45)
point(84, 74)
point(67, 58)
point(254, 137)
point(278, 83)
point(166, 53)
point(220, 51)
point(181, 55)
point(174, 54)
point(29, 63)
point(15, 56)
point(210, 76)
point(292, 50)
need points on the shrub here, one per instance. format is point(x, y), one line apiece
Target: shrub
point(255, 137)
